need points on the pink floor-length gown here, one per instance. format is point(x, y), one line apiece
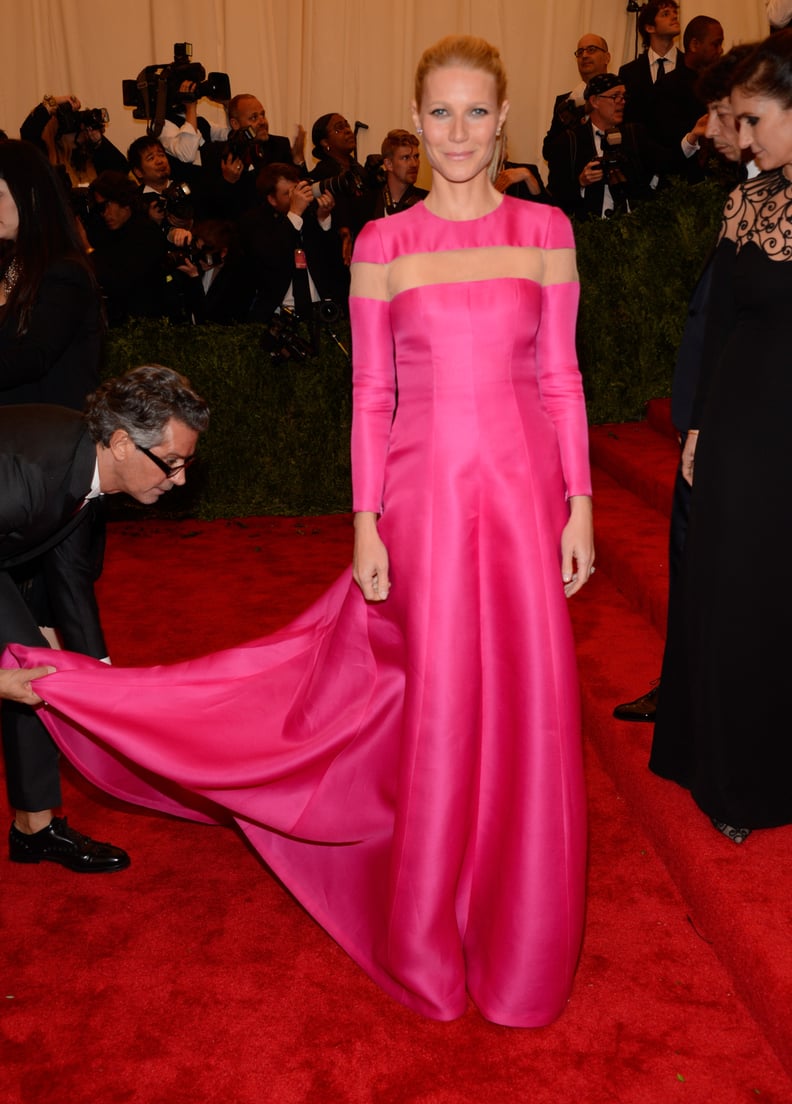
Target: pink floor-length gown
point(412, 769)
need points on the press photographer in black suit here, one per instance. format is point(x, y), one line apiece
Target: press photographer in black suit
point(292, 247)
point(591, 175)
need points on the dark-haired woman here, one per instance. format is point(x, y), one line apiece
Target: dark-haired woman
point(722, 724)
point(335, 150)
point(50, 308)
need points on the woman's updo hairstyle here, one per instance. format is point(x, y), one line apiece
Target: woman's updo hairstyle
point(466, 51)
point(767, 71)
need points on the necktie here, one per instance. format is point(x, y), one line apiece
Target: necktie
point(661, 64)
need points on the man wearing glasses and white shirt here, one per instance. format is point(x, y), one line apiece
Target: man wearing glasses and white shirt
point(592, 58)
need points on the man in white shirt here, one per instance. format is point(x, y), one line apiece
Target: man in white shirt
point(593, 57)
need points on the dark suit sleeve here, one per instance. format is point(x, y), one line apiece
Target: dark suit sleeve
point(65, 296)
point(565, 160)
point(107, 156)
point(71, 569)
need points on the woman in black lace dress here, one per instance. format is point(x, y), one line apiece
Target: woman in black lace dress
point(723, 720)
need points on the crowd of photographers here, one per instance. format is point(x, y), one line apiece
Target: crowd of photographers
point(198, 223)
point(224, 224)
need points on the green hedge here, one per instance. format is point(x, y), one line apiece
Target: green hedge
point(637, 273)
point(278, 442)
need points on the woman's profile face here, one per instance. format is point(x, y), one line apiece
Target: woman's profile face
point(9, 214)
point(765, 128)
point(340, 137)
point(459, 116)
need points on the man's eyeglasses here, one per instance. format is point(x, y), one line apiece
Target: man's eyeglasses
point(581, 50)
point(617, 97)
point(169, 470)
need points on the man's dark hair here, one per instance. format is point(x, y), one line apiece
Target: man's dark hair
point(142, 402)
point(697, 28)
point(118, 188)
point(139, 147)
point(267, 180)
point(647, 16)
point(715, 82)
point(216, 234)
point(767, 71)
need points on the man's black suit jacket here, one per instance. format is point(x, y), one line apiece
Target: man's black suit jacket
point(47, 462)
point(640, 89)
point(574, 148)
point(232, 201)
point(678, 107)
point(270, 239)
point(565, 114)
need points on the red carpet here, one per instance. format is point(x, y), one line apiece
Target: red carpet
point(194, 978)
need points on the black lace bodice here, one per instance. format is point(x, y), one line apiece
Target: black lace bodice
point(760, 211)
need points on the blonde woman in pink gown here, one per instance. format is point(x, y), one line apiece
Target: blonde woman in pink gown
point(406, 755)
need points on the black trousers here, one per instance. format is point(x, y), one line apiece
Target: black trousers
point(31, 758)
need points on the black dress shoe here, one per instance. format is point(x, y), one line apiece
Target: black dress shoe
point(736, 835)
point(61, 844)
point(642, 709)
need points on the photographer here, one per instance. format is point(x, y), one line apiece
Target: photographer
point(292, 247)
point(334, 147)
point(73, 140)
point(600, 165)
point(129, 252)
point(234, 165)
point(184, 132)
point(212, 279)
point(399, 164)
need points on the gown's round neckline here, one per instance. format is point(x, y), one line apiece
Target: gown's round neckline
point(462, 222)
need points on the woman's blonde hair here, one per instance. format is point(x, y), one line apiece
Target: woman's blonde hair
point(466, 51)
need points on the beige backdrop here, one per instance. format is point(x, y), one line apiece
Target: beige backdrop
point(305, 57)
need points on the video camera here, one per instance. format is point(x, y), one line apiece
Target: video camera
point(157, 87)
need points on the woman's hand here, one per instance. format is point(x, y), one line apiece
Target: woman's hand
point(370, 560)
point(577, 545)
point(689, 455)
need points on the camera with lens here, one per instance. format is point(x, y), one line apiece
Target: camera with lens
point(374, 171)
point(72, 122)
point(175, 201)
point(613, 162)
point(569, 114)
point(327, 311)
point(283, 342)
point(241, 144)
point(348, 183)
point(194, 254)
point(157, 88)
point(81, 202)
